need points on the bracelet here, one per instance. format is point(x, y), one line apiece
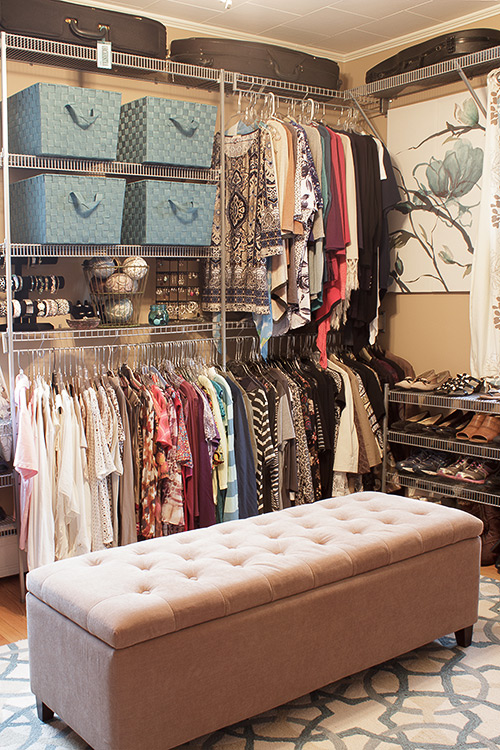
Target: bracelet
point(3, 284)
point(62, 306)
point(41, 305)
point(16, 308)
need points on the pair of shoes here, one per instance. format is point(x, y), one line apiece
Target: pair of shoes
point(461, 385)
point(424, 425)
point(432, 382)
point(490, 537)
point(413, 462)
point(424, 462)
point(401, 424)
point(451, 424)
point(482, 428)
point(467, 470)
point(407, 383)
point(473, 426)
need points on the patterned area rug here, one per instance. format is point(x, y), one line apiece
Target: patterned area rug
point(437, 697)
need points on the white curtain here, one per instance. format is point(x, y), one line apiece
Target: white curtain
point(485, 283)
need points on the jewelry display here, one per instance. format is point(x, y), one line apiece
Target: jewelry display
point(178, 288)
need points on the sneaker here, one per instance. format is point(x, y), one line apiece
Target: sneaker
point(452, 469)
point(434, 462)
point(412, 463)
point(475, 473)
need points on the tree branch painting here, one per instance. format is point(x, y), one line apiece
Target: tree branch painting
point(437, 150)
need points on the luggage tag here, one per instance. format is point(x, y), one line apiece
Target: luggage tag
point(104, 55)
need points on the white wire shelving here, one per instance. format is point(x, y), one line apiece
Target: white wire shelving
point(398, 82)
point(475, 402)
point(143, 332)
point(480, 450)
point(107, 168)
point(483, 451)
point(459, 490)
point(90, 251)
point(7, 480)
point(8, 527)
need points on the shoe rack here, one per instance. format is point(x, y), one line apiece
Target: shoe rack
point(450, 487)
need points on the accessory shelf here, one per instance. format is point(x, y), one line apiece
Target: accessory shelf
point(449, 488)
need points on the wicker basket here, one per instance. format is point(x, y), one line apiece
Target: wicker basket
point(116, 288)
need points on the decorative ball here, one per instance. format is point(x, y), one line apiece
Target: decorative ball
point(119, 311)
point(119, 283)
point(102, 267)
point(136, 268)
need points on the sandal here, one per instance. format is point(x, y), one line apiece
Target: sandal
point(490, 429)
point(461, 385)
point(472, 428)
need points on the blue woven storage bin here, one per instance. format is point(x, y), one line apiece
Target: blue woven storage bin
point(62, 209)
point(165, 131)
point(48, 119)
point(168, 213)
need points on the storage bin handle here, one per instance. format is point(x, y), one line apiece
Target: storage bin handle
point(188, 129)
point(82, 207)
point(185, 212)
point(79, 119)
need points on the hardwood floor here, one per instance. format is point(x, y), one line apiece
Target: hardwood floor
point(13, 613)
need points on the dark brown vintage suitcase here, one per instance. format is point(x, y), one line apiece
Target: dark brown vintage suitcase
point(80, 24)
point(257, 59)
point(439, 49)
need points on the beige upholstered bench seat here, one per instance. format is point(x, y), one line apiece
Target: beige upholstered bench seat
point(204, 628)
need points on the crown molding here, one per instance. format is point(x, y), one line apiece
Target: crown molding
point(419, 36)
point(340, 57)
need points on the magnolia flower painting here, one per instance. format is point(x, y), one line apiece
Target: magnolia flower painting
point(437, 153)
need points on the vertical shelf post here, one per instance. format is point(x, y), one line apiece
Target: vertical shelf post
point(222, 120)
point(8, 282)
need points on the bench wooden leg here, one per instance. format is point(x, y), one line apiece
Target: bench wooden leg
point(464, 636)
point(45, 713)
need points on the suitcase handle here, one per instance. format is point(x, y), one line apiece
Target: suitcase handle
point(82, 121)
point(83, 208)
point(188, 130)
point(293, 77)
point(96, 36)
point(185, 212)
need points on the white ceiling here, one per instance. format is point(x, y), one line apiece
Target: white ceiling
point(343, 29)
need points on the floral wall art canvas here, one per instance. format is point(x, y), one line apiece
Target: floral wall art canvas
point(437, 150)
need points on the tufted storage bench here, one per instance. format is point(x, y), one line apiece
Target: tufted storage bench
point(154, 644)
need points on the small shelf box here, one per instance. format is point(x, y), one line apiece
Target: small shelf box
point(9, 556)
point(168, 213)
point(67, 209)
point(167, 131)
point(49, 119)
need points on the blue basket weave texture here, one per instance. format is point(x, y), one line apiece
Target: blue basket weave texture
point(168, 213)
point(64, 209)
point(49, 119)
point(166, 131)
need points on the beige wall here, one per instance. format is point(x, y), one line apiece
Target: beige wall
point(431, 330)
